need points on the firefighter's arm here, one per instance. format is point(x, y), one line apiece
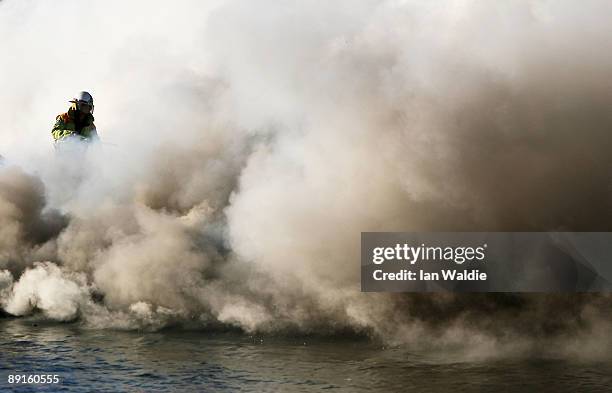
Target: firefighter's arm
point(60, 130)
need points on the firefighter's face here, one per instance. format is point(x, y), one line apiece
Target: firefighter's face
point(84, 107)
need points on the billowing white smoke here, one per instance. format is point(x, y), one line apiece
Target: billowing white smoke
point(247, 145)
point(44, 287)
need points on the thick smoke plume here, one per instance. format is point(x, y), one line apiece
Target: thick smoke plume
point(247, 144)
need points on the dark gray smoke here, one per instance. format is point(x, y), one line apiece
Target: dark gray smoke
point(26, 231)
point(251, 143)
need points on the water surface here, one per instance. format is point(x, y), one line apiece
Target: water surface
point(174, 360)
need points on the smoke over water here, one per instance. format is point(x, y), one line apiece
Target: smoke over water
point(247, 145)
